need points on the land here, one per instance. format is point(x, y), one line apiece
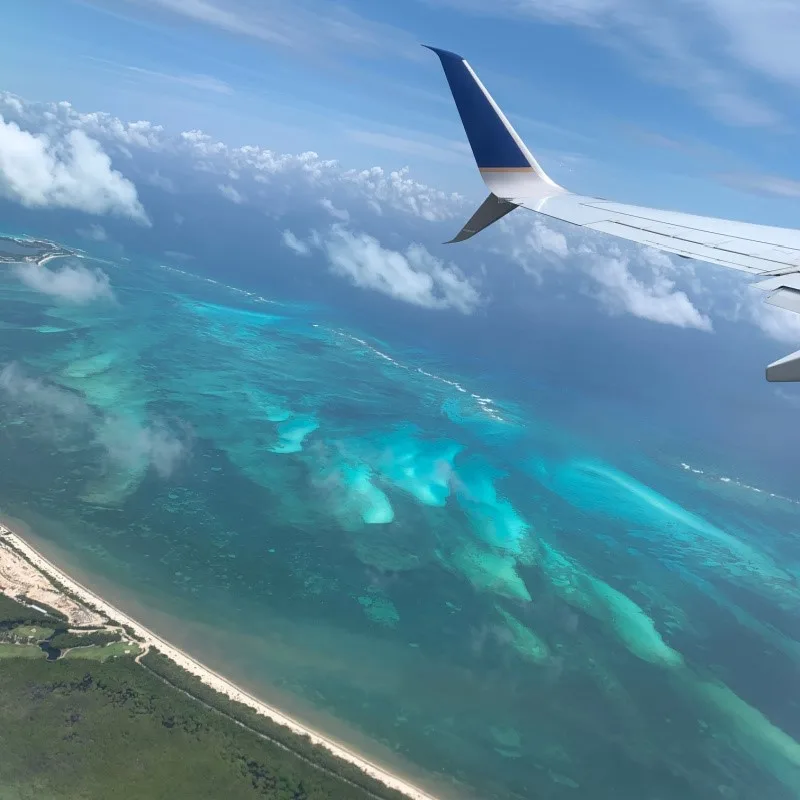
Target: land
point(95, 704)
point(18, 249)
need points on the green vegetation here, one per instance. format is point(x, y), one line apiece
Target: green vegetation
point(94, 723)
point(13, 614)
point(132, 633)
point(26, 633)
point(74, 729)
point(300, 745)
point(66, 639)
point(104, 653)
point(21, 651)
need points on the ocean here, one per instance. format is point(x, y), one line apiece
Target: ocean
point(492, 582)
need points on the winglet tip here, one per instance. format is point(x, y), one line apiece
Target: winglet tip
point(443, 54)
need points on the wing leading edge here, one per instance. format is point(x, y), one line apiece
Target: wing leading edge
point(516, 180)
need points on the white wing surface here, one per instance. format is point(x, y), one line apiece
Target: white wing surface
point(515, 179)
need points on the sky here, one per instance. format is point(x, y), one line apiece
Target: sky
point(690, 104)
point(314, 147)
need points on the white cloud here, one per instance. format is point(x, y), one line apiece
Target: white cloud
point(414, 276)
point(655, 299)
point(635, 280)
point(95, 232)
point(126, 442)
point(14, 103)
point(777, 323)
point(537, 248)
point(48, 398)
point(72, 283)
point(40, 172)
point(375, 187)
point(231, 193)
point(298, 246)
point(337, 213)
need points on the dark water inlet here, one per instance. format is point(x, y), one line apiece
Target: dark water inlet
point(52, 652)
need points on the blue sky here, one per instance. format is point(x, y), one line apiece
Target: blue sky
point(691, 107)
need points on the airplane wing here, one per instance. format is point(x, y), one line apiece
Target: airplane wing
point(516, 180)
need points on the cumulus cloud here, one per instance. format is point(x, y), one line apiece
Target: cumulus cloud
point(74, 172)
point(231, 193)
point(655, 299)
point(73, 283)
point(296, 245)
point(413, 276)
point(777, 323)
point(624, 278)
point(126, 442)
point(536, 248)
point(299, 173)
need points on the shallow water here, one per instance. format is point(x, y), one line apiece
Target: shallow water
point(449, 574)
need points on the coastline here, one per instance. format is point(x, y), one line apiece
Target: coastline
point(208, 676)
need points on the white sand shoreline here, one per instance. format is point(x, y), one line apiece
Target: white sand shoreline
point(207, 675)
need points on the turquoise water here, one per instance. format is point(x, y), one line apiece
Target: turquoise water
point(448, 574)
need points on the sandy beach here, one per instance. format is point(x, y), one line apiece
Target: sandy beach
point(18, 577)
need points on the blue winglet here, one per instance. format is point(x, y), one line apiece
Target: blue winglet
point(493, 142)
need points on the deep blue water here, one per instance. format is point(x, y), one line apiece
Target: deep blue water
point(501, 578)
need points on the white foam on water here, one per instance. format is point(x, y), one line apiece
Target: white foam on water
point(736, 482)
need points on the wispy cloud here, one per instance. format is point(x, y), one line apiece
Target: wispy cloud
point(310, 27)
point(342, 214)
point(125, 441)
point(774, 185)
point(432, 148)
point(231, 193)
point(295, 244)
point(712, 49)
point(204, 83)
point(160, 181)
point(94, 232)
point(199, 81)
